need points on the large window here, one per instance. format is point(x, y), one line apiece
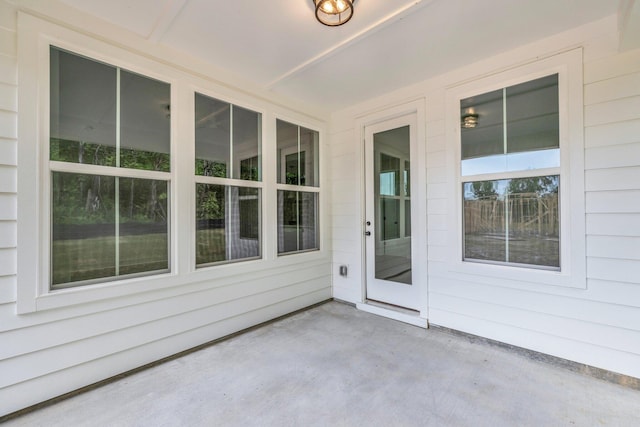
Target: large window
point(228, 181)
point(298, 187)
point(510, 168)
point(109, 163)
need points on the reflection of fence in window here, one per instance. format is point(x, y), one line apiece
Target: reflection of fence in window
point(528, 214)
point(522, 228)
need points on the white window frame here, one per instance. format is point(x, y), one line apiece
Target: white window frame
point(34, 171)
point(50, 166)
point(229, 182)
point(299, 188)
point(572, 273)
point(33, 294)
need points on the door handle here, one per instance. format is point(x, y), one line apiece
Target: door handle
point(367, 233)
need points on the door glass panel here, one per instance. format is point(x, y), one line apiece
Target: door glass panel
point(392, 206)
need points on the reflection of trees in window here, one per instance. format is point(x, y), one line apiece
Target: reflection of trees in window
point(295, 169)
point(484, 189)
point(211, 168)
point(227, 147)
point(226, 217)
point(105, 227)
point(64, 150)
point(91, 240)
point(210, 223)
point(250, 169)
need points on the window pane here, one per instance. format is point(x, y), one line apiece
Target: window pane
point(213, 136)
point(247, 135)
point(531, 128)
point(297, 221)
point(309, 157)
point(484, 224)
point(210, 227)
point(486, 138)
point(294, 168)
point(389, 175)
point(298, 161)
point(249, 210)
point(83, 227)
point(243, 222)
point(91, 241)
point(82, 110)
point(534, 223)
point(145, 136)
point(308, 206)
point(227, 223)
point(513, 220)
point(287, 145)
point(532, 115)
point(144, 227)
point(390, 216)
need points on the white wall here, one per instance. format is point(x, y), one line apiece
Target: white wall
point(53, 351)
point(8, 154)
point(599, 325)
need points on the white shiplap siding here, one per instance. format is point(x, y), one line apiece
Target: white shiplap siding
point(598, 324)
point(51, 352)
point(8, 154)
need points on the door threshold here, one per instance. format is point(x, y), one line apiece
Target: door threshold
point(393, 312)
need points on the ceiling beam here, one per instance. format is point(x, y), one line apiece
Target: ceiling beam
point(629, 24)
point(381, 23)
point(171, 10)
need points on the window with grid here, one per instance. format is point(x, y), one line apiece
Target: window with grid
point(108, 172)
point(228, 171)
point(298, 188)
point(510, 174)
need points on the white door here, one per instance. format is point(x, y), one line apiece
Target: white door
point(390, 263)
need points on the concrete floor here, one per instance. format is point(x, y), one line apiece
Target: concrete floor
point(334, 365)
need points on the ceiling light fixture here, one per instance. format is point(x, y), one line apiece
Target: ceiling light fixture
point(334, 12)
point(469, 121)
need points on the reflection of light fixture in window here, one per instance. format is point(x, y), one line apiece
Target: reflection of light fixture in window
point(469, 121)
point(334, 12)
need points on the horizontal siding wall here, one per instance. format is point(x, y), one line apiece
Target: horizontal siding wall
point(346, 222)
point(8, 155)
point(51, 352)
point(599, 325)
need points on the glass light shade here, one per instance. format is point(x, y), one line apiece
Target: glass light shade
point(469, 121)
point(334, 12)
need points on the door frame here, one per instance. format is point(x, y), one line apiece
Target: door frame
point(418, 196)
point(381, 290)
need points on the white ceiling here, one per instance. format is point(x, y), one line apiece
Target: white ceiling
point(278, 44)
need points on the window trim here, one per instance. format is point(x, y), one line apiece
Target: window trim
point(34, 291)
point(49, 166)
point(568, 66)
point(34, 36)
point(298, 188)
point(231, 182)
